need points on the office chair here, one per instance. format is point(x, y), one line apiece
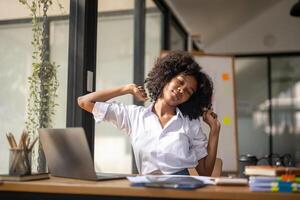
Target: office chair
point(217, 171)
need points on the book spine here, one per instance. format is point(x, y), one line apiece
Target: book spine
point(275, 187)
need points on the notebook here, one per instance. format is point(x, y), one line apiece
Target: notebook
point(266, 170)
point(68, 155)
point(30, 177)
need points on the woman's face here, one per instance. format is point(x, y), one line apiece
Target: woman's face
point(179, 89)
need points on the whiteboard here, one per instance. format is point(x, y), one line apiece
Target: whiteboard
point(221, 71)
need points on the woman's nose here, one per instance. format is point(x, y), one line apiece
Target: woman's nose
point(180, 89)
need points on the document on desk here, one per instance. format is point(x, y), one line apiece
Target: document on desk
point(230, 181)
point(169, 181)
point(205, 179)
point(149, 178)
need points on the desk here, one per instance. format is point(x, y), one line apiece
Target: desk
point(61, 188)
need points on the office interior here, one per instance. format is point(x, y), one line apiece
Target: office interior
point(118, 41)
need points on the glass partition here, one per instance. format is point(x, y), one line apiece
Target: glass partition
point(152, 38)
point(177, 41)
point(16, 52)
point(114, 68)
point(251, 94)
point(15, 59)
point(59, 45)
point(285, 83)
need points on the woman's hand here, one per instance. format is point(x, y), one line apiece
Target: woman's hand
point(206, 165)
point(138, 92)
point(211, 119)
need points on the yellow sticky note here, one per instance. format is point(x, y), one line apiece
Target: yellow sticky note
point(227, 120)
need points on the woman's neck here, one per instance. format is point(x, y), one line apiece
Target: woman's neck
point(161, 108)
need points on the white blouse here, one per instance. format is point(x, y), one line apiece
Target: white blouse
point(179, 145)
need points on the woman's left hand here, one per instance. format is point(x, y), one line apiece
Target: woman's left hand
point(211, 119)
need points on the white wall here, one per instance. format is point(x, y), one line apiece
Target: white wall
point(272, 31)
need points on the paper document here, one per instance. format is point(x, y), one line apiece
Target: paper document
point(150, 178)
point(230, 181)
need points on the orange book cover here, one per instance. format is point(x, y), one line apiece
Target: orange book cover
point(266, 170)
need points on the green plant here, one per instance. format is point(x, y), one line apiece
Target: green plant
point(43, 83)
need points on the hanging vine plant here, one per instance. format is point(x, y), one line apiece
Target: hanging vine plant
point(43, 83)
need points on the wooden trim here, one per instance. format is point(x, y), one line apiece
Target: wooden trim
point(200, 53)
point(235, 113)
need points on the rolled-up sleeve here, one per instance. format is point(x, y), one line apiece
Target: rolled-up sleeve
point(116, 113)
point(99, 111)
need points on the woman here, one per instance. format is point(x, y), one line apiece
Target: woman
point(166, 136)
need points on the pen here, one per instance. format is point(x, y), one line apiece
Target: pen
point(9, 141)
point(13, 140)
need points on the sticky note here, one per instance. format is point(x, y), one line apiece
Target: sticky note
point(225, 76)
point(227, 120)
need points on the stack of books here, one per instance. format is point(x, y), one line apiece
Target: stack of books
point(272, 178)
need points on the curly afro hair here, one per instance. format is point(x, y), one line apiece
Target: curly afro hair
point(176, 63)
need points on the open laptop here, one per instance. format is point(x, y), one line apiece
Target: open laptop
point(68, 154)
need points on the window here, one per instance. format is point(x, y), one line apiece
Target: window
point(285, 85)
point(114, 68)
point(16, 59)
point(152, 36)
point(251, 92)
point(177, 39)
point(15, 62)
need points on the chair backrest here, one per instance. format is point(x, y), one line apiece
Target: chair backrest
point(217, 171)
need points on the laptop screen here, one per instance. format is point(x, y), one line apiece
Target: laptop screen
point(67, 153)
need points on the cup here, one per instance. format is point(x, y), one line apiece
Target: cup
point(19, 162)
point(246, 160)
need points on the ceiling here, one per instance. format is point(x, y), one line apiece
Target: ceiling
point(211, 19)
point(214, 19)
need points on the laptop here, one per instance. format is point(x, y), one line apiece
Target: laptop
point(68, 155)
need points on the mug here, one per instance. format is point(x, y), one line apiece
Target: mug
point(246, 160)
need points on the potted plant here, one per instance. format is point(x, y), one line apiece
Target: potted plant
point(43, 83)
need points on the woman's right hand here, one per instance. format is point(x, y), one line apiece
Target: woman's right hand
point(138, 92)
